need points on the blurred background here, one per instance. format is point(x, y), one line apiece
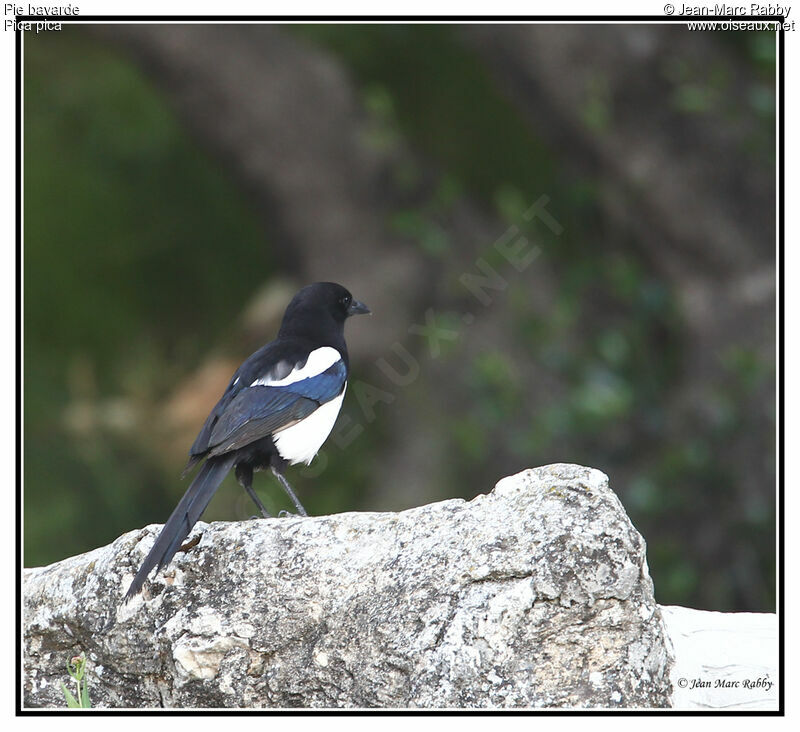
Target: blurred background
point(182, 181)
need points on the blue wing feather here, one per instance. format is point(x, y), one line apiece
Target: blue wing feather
point(321, 388)
point(258, 411)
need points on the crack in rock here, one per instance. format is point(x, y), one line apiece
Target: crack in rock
point(533, 595)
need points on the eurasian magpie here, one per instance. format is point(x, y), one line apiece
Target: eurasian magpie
point(278, 409)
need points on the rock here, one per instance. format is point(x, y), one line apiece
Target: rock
point(536, 594)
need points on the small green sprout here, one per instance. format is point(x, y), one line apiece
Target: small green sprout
point(76, 668)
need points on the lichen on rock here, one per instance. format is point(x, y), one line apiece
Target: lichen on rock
point(534, 595)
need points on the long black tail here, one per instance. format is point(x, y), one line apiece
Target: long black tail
point(185, 515)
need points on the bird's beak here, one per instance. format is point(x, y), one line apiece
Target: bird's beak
point(357, 308)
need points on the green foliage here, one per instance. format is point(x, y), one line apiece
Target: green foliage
point(597, 106)
point(76, 668)
point(432, 239)
point(443, 100)
point(496, 385)
point(122, 208)
point(124, 213)
point(436, 96)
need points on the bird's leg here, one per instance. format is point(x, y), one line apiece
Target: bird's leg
point(244, 474)
point(289, 491)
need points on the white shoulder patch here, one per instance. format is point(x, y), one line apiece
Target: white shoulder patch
point(319, 360)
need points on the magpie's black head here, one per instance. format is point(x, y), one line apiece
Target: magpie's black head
point(318, 307)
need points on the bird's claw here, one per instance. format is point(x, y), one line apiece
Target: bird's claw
point(255, 517)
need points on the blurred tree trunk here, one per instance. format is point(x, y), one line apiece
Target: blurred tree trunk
point(686, 175)
point(699, 203)
point(285, 118)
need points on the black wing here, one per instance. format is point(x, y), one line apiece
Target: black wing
point(276, 360)
point(254, 413)
point(248, 413)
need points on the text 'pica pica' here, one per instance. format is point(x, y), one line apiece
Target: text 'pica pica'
point(278, 409)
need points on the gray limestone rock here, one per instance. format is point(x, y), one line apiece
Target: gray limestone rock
point(534, 595)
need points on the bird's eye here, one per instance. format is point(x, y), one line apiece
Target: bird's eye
point(345, 300)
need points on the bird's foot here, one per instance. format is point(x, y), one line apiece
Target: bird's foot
point(255, 517)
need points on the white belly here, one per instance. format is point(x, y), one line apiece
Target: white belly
point(300, 442)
